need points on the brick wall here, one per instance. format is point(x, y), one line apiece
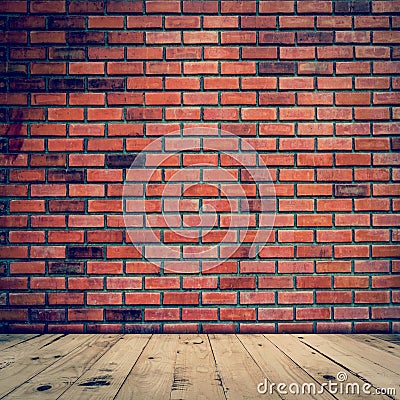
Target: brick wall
point(311, 86)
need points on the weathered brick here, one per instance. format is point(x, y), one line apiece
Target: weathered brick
point(282, 67)
point(352, 190)
point(286, 78)
point(78, 252)
point(352, 6)
point(66, 268)
point(123, 315)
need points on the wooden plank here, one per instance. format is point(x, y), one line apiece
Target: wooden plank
point(24, 348)
point(277, 366)
point(21, 362)
point(238, 372)
point(104, 379)
point(10, 340)
point(382, 370)
point(51, 382)
point(317, 365)
point(378, 343)
point(390, 338)
point(370, 356)
point(16, 361)
point(153, 374)
point(195, 374)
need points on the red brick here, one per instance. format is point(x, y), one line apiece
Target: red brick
point(209, 7)
point(124, 6)
point(159, 6)
point(142, 298)
point(295, 297)
point(298, 113)
point(313, 313)
point(241, 6)
point(217, 53)
point(267, 7)
point(334, 297)
point(199, 314)
point(234, 68)
point(275, 314)
point(200, 37)
point(144, 22)
point(85, 314)
point(352, 313)
point(297, 53)
point(181, 298)
point(334, 83)
point(237, 314)
point(219, 22)
point(108, 22)
point(238, 37)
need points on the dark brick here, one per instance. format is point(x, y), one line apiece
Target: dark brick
point(351, 190)
point(283, 67)
point(142, 328)
point(3, 207)
point(396, 53)
point(40, 315)
point(314, 37)
point(3, 268)
point(120, 160)
point(70, 176)
point(3, 237)
point(123, 315)
point(243, 252)
point(124, 6)
point(3, 85)
point(8, 315)
point(66, 84)
point(352, 6)
point(395, 143)
point(13, 69)
point(86, 38)
point(105, 83)
point(3, 145)
point(3, 178)
point(67, 53)
point(315, 68)
point(49, 160)
point(34, 22)
point(3, 115)
point(15, 144)
point(26, 114)
point(68, 268)
point(3, 53)
point(61, 206)
point(66, 22)
point(277, 37)
point(75, 252)
point(104, 328)
point(14, 130)
point(27, 84)
point(27, 53)
point(86, 7)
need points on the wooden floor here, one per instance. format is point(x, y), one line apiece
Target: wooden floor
point(194, 367)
